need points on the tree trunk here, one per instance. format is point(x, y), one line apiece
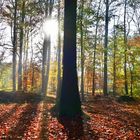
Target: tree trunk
point(26, 61)
point(48, 64)
point(44, 65)
point(46, 50)
point(106, 49)
point(114, 61)
point(32, 64)
point(14, 46)
point(21, 47)
point(33, 75)
point(70, 104)
point(95, 44)
point(58, 58)
point(125, 51)
point(82, 50)
point(131, 79)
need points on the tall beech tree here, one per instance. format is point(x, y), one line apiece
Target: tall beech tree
point(82, 49)
point(125, 51)
point(70, 104)
point(50, 9)
point(20, 67)
point(95, 45)
point(114, 59)
point(46, 49)
point(105, 89)
point(58, 55)
point(14, 46)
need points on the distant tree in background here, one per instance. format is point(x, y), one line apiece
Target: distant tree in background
point(20, 66)
point(125, 51)
point(14, 41)
point(105, 89)
point(58, 56)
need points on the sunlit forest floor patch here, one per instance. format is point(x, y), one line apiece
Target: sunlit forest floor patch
point(26, 117)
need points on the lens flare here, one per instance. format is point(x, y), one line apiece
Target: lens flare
point(50, 27)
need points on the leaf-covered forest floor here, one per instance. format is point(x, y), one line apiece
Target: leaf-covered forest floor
point(26, 117)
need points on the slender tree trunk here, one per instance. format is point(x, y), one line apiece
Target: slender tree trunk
point(70, 104)
point(14, 46)
point(106, 49)
point(94, 54)
point(139, 30)
point(48, 64)
point(32, 64)
point(46, 50)
point(49, 49)
point(26, 62)
point(82, 50)
point(58, 57)
point(32, 77)
point(114, 61)
point(131, 80)
point(125, 52)
point(44, 53)
point(44, 65)
point(21, 47)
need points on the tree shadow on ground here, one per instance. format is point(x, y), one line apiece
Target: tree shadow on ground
point(27, 116)
point(122, 113)
point(8, 114)
point(19, 97)
point(112, 109)
point(73, 127)
point(50, 99)
point(64, 128)
point(78, 127)
point(23, 113)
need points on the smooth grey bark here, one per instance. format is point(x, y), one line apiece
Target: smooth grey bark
point(82, 50)
point(32, 63)
point(105, 88)
point(44, 65)
point(58, 57)
point(125, 51)
point(50, 8)
point(131, 67)
point(95, 45)
point(44, 53)
point(46, 50)
point(26, 61)
point(14, 46)
point(48, 64)
point(114, 61)
point(20, 67)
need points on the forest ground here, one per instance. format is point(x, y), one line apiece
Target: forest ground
point(27, 117)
